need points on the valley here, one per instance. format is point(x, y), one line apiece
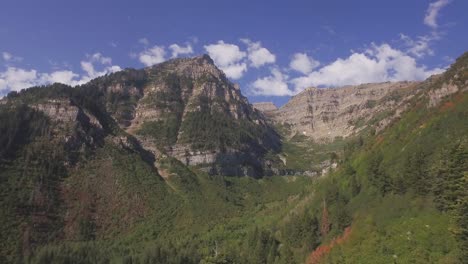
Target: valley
point(172, 164)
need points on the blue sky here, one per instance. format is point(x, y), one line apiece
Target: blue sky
point(273, 49)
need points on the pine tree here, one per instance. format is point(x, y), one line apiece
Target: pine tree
point(353, 184)
point(415, 174)
point(377, 176)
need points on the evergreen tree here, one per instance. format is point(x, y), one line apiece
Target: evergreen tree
point(377, 176)
point(415, 174)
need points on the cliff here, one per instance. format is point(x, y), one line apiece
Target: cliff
point(326, 113)
point(265, 106)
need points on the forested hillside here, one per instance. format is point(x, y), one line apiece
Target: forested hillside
point(79, 182)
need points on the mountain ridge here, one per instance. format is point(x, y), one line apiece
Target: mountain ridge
point(159, 105)
point(324, 114)
point(78, 182)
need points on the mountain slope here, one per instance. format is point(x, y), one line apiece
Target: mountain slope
point(84, 178)
point(90, 162)
point(188, 109)
point(403, 193)
point(326, 114)
point(184, 108)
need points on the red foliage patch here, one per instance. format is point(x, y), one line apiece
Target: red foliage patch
point(447, 106)
point(321, 251)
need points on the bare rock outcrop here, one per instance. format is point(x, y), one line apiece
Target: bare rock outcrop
point(166, 104)
point(265, 106)
point(326, 113)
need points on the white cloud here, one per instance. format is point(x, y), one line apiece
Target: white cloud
point(65, 76)
point(6, 56)
point(419, 47)
point(180, 50)
point(274, 85)
point(229, 58)
point(97, 57)
point(258, 55)
point(152, 56)
point(10, 57)
point(16, 79)
point(88, 66)
point(433, 11)
point(377, 64)
point(303, 63)
point(144, 41)
point(235, 71)
point(224, 54)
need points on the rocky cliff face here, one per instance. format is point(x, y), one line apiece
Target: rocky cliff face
point(324, 114)
point(188, 109)
point(265, 106)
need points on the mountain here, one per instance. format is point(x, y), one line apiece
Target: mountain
point(132, 168)
point(325, 114)
point(401, 197)
point(184, 108)
point(73, 158)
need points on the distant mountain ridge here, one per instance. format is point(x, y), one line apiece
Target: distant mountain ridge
point(324, 114)
point(327, 113)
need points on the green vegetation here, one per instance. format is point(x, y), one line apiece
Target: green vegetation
point(73, 194)
point(411, 203)
point(303, 154)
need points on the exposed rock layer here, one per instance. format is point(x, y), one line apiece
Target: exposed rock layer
point(164, 105)
point(326, 113)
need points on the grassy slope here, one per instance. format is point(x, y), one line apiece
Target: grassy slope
point(405, 226)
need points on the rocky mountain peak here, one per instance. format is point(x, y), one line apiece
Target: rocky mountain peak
point(195, 67)
point(188, 109)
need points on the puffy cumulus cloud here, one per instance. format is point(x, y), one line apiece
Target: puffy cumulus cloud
point(303, 63)
point(152, 56)
point(377, 64)
point(229, 58)
point(258, 55)
point(16, 79)
point(234, 71)
point(65, 76)
point(432, 12)
point(273, 85)
point(224, 54)
point(180, 50)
